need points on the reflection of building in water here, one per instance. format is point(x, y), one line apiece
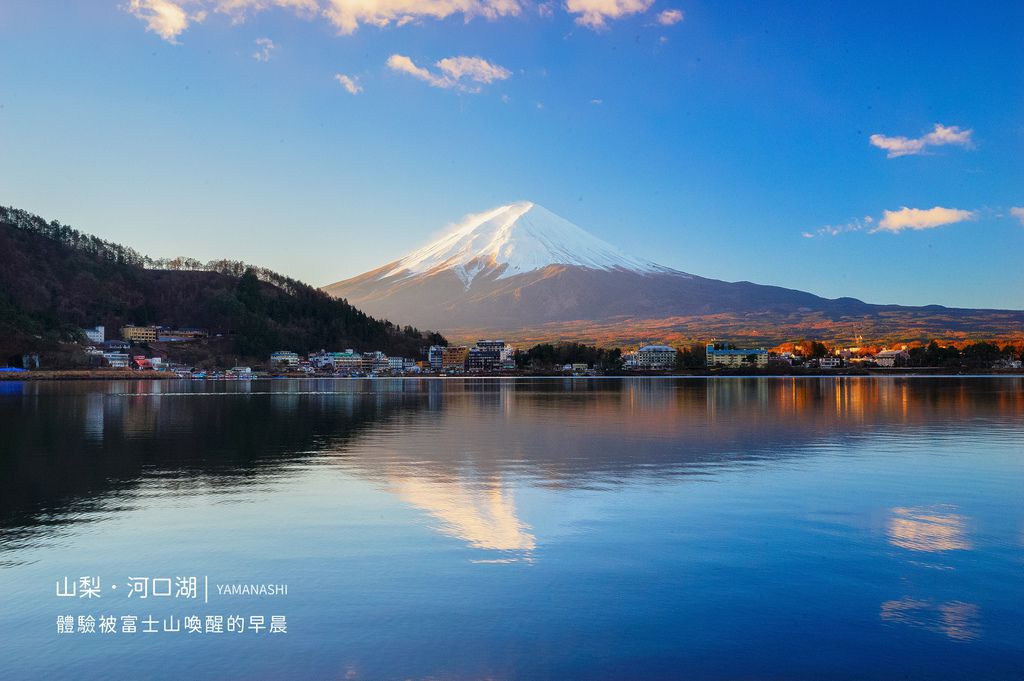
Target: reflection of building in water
point(482, 515)
point(928, 528)
point(956, 619)
point(94, 416)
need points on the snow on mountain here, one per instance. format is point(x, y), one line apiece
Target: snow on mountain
point(516, 238)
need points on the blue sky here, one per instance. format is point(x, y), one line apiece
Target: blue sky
point(731, 143)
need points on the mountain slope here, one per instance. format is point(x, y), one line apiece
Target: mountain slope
point(55, 280)
point(521, 272)
point(515, 239)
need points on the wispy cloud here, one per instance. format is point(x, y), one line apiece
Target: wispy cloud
point(941, 135)
point(462, 73)
point(350, 83)
point(348, 15)
point(853, 225)
point(265, 47)
point(668, 17)
point(594, 14)
point(1018, 212)
point(921, 218)
point(895, 221)
point(170, 18)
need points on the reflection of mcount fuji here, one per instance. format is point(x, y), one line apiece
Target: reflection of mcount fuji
point(254, 589)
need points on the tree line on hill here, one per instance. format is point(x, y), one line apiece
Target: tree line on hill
point(976, 355)
point(55, 280)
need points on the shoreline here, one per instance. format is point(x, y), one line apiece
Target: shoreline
point(129, 375)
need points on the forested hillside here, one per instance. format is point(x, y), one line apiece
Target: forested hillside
point(55, 280)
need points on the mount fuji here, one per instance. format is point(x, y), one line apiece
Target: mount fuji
point(523, 273)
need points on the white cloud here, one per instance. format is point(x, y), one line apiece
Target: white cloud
point(1018, 212)
point(473, 68)
point(266, 47)
point(166, 18)
point(349, 83)
point(921, 218)
point(348, 15)
point(669, 17)
point(941, 135)
point(853, 225)
point(594, 13)
point(597, 102)
point(461, 73)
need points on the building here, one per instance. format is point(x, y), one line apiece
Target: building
point(374, 361)
point(503, 349)
point(490, 355)
point(115, 345)
point(117, 360)
point(454, 358)
point(655, 357)
point(891, 358)
point(140, 334)
point(347, 362)
point(830, 362)
point(483, 359)
point(396, 364)
point(727, 355)
point(284, 358)
point(97, 334)
point(435, 356)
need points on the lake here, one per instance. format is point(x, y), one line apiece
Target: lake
point(588, 528)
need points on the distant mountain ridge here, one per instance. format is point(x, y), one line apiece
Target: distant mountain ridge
point(524, 273)
point(55, 280)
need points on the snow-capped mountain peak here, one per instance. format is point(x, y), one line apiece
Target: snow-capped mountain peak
point(518, 237)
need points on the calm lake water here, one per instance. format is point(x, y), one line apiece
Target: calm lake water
point(576, 529)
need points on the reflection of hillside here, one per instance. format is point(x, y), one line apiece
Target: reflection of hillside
point(66, 449)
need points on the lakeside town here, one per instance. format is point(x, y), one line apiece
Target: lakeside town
point(135, 351)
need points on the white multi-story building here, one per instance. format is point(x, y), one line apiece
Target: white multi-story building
point(396, 363)
point(830, 362)
point(97, 334)
point(655, 357)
